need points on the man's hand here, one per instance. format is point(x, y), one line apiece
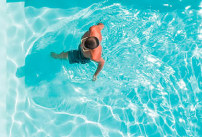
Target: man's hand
point(94, 78)
point(100, 25)
point(101, 63)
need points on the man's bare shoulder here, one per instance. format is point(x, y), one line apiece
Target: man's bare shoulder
point(97, 27)
point(96, 54)
point(94, 28)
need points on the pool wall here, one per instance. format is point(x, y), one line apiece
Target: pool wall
point(2, 68)
point(15, 57)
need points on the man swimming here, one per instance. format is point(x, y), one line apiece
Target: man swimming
point(89, 49)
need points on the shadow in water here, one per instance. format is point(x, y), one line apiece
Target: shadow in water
point(39, 65)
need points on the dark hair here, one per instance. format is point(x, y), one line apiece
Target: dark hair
point(91, 43)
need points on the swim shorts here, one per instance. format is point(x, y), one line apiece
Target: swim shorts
point(76, 56)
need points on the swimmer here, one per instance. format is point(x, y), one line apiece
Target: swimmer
point(89, 49)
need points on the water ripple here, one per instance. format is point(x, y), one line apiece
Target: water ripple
point(150, 86)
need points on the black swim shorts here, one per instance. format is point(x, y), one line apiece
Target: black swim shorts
point(76, 56)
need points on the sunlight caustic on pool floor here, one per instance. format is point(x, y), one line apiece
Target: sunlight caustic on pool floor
point(150, 86)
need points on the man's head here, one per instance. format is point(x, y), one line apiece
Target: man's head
point(91, 42)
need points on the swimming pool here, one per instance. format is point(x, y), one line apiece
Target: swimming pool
point(151, 84)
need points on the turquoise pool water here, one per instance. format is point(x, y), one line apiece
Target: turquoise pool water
point(151, 84)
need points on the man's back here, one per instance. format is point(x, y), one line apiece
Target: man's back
point(89, 49)
point(95, 31)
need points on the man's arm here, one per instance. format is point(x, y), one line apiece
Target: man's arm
point(99, 68)
point(100, 25)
